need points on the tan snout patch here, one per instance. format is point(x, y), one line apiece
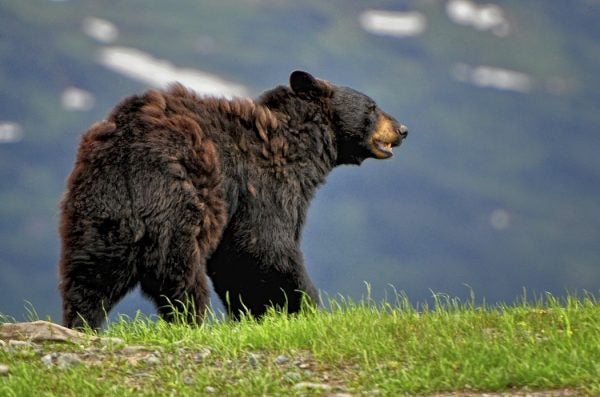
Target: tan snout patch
point(384, 138)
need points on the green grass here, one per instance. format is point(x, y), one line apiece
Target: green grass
point(354, 348)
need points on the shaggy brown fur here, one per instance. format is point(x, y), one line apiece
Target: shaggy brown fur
point(173, 187)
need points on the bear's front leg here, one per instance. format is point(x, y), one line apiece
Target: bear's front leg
point(252, 280)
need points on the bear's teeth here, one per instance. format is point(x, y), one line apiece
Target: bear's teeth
point(386, 147)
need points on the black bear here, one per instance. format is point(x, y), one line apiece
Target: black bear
point(173, 187)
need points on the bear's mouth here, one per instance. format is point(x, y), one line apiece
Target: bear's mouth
point(385, 147)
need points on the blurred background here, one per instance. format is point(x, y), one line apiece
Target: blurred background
point(496, 189)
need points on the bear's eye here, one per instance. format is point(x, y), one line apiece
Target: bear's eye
point(369, 120)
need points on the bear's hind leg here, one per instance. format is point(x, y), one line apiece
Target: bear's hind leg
point(89, 293)
point(179, 287)
point(96, 271)
point(187, 304)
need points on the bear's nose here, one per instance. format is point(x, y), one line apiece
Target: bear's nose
point(403, 131)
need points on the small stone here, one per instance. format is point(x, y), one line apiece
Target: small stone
point(188, 380)
point(4, 370)
point(280, 360)
point(48, 359)
point(292, 377)
point(152, 359)
point(253, 360)
point(313, 386)
point(18, 344)
point(201, 355)
point(210, 389)
point(110, 341)
point(141, 374)
point(133, 349)
point(92, 350)
point(67, 360)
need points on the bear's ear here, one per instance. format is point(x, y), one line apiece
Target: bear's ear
point(304, 83)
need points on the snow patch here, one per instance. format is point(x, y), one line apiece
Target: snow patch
point(10, 132)
point(100, 29)
point(74, 98)
point(143, 67)
point(493, 77)
point(500, 219)
point(390, 23)
point(481, 17)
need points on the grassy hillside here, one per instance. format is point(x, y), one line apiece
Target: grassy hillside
point(423, 220)
point(352, 349)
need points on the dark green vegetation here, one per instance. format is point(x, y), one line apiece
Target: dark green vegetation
point(357, 349)
point(419, 221)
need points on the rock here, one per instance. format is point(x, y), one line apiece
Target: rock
point(61, 360)
point(44, 331)
point(48, 359)
point(201, 355)
point(67, 360)
point(152, 359)
point(38, 331)
point(280, 360)
point(292, 377)
point(313, 386)
point(18, 344)
point(134, 349)
point(210, 389)
point(4, 370)
point(111, 341)
point(253, 360)
point(188, 380)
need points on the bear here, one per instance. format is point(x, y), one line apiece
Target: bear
point(173, 188)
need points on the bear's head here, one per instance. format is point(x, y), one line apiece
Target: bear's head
point(362, 130)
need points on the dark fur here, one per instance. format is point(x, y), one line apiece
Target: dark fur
point(173, 187)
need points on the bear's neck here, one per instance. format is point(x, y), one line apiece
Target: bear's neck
point(304, 126)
